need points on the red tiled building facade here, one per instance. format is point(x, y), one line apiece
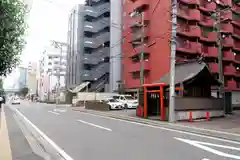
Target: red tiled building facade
point(196, 36)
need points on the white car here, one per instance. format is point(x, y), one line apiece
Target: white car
point(16, 100)
point(127, 100)
point(114, 104)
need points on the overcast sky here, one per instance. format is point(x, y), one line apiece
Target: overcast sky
point(48, 20)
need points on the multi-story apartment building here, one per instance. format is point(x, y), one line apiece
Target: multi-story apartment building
point(75, 47)
point(95, 50)
point(196, 36)
point(52, 65)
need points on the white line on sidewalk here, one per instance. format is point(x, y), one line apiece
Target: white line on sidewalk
point(164, 128)
point(53, 112)
point(55, 146)
point(91, 124)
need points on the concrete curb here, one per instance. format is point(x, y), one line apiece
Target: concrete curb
point(173, 126)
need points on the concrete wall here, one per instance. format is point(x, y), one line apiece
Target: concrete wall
point(183, 104)
point(115, 44)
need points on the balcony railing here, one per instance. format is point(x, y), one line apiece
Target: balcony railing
point(189, 14)
point(230, 85)
point(226, 3)
point(139, 34)
point(138, 4)
point(226, 28)
point(189, 47)
point(135, 67)
point(209, 36)
point(210, 51)
point(229, 70)
point(207, 6)
point(236, 8)
point(191, 31)
point(228, 56)
point(138, 50)
point(226, 14)
point(213, 67)
point(236, 45)
point(227, 42)
point(191, 1)
point(207, 21)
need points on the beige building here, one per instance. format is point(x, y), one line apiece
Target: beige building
point(32, 81)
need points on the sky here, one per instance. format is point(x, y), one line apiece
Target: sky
point(47, 20)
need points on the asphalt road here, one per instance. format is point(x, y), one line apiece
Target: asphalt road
point(82, 136)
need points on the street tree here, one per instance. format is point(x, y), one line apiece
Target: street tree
point(12, 34)
point(24, 91)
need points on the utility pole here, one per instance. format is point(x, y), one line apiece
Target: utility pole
point(142, 53)
point(172, 63)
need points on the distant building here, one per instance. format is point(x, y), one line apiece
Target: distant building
point(51, 65)
point(32, 81)
point(22, 79)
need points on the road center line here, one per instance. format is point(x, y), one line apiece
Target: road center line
point(53, 112)
point(91, 124)
point(54, 145)
point(164, 128)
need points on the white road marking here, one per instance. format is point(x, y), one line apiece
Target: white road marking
point(60, 110)
point(53, 112)
point(167, 129)
point(91, 124)
point(214, 151)
point(179, 125)
point(205, 159)
point(54, 145)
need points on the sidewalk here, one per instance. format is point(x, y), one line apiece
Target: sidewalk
point(217, 128)
point(20, 148)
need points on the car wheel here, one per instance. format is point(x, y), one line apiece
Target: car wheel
point(110, 108)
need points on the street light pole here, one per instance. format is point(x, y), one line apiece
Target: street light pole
point(172, 62)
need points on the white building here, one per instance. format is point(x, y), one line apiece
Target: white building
point(52, 66)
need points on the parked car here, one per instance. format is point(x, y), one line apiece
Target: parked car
point(114, 104)
point(15, 100)
point(128, 101)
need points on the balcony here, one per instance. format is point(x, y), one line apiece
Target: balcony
point(226, 3)
point(139, 34)
point(213, 67)
point(226, 14)
point(189, 47)
point(236, 45)
point(236, 8)
point(227, 42)
point(236, 32)
point(135, 67)
point(236, 19)
point(138, 4)
point(139, 49)
point(135, 22)
point(229, 70)
point(210, 51)
point(230, 85)
point(189, 14)
point(228, 56)
point(208, 36)
point(187, 30)
point(207, 6)
point(236, 57)
point(135, 83)
point(206, 21)
point(191, 1)
point(226, 28)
